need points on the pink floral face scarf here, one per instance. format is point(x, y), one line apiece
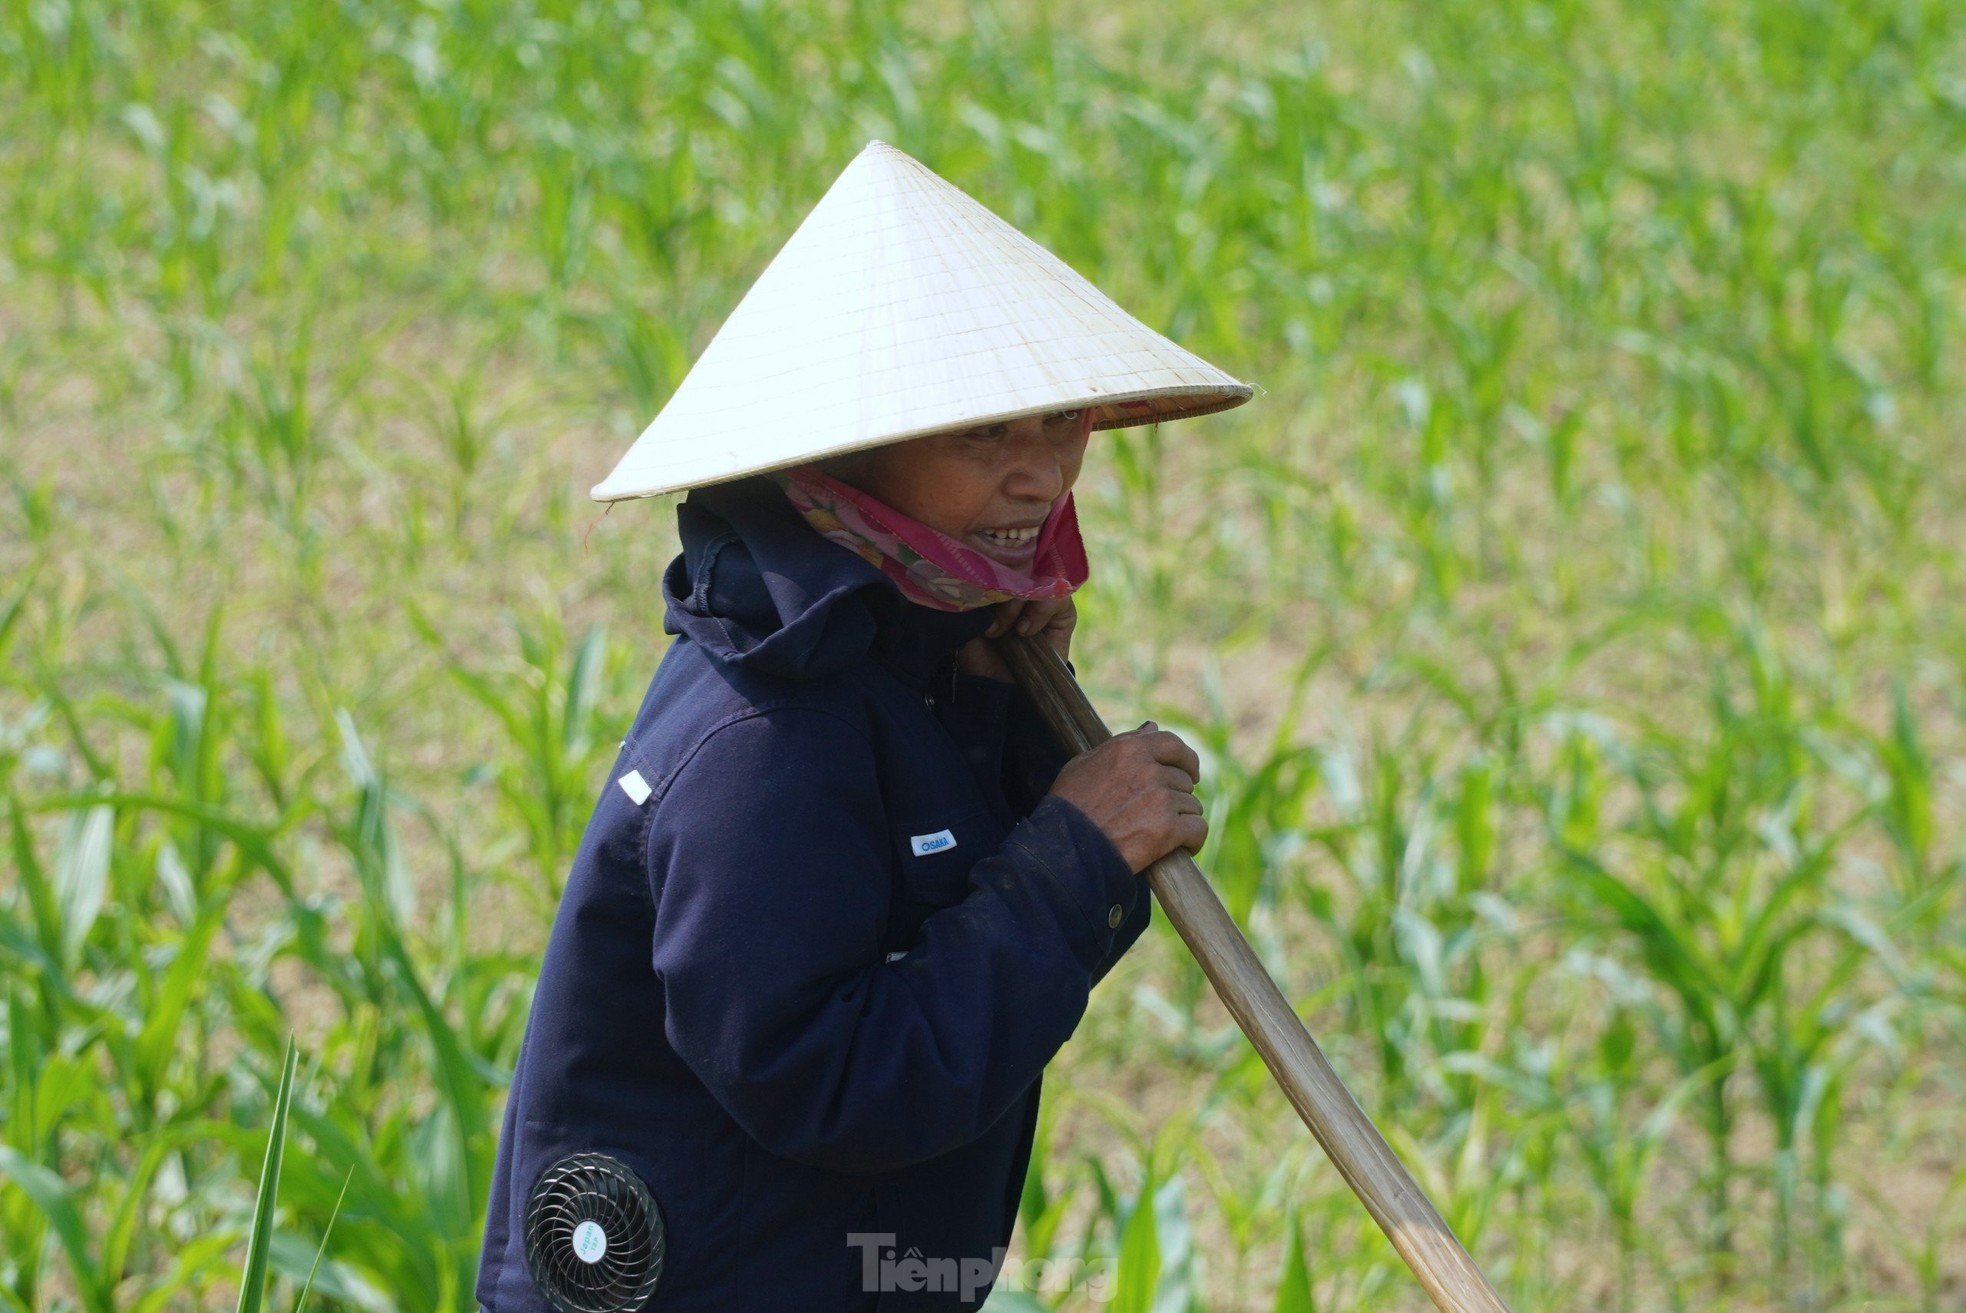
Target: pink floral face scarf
point(931, 568)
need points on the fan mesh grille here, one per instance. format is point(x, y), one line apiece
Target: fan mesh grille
point(592, 1187)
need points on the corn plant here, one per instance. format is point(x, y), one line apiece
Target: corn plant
point(1570, 627)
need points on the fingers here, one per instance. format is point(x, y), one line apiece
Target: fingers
point(1058, 630)
point(1169, 750)
point(1164, 747)
point(1173, 777)
point(1184, 831)
point(1049, 613)
point(1191, 832)
point(1054, 618)
point(1185, 821)
point(1003, 616)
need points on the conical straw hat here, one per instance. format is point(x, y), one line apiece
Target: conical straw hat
point(902, 307)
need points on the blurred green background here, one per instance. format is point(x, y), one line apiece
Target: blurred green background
point(1574, 625)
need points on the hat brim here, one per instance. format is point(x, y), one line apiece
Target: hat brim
point(1127, 410)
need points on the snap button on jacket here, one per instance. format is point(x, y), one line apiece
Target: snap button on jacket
point(806, 988)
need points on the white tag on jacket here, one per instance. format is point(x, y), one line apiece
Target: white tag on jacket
point(635, 787)
point(939, 842)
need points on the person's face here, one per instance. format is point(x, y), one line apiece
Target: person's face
point(990, 487)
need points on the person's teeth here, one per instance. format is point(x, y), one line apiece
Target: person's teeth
point(1010, 536)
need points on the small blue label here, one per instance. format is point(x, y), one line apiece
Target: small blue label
point(939, 842)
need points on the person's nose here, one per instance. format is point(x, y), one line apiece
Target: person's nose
point(1037, 471)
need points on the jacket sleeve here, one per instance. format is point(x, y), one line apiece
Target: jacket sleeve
point(770, 864)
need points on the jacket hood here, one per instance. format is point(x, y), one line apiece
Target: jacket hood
point(759, 590)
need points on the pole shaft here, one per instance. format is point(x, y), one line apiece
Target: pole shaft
point(1348, 1136)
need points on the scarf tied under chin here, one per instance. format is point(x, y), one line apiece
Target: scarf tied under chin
point(931, 568)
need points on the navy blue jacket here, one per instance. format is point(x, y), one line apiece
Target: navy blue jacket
point(814, 954)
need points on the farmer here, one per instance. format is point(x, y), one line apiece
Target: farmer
point(842, 897)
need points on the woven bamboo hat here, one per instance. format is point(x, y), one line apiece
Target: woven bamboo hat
point(902, 307)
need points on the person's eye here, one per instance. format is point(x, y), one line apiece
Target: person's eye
point(989, 432)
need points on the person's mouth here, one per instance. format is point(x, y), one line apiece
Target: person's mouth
point(1012, 546)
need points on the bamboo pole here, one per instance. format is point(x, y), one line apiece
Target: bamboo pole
point(1352, 1142)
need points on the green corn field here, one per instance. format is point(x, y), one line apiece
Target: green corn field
point(1573, 627)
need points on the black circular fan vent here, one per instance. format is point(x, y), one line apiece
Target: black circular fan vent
point(594, 1238)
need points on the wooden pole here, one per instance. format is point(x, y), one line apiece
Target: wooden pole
point(1353, 1143)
